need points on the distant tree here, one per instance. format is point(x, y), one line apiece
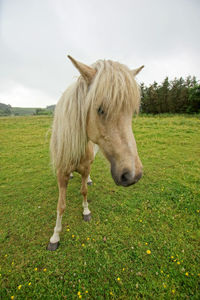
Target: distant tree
point(194, 99)
point(5, 109)
point(163, 93)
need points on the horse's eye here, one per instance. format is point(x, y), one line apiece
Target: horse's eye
point(100, 111)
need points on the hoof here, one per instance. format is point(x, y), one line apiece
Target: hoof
point(89, 183)
point(87, 218)
point(52, 246)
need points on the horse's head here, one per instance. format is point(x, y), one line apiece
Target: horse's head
point(113, 95)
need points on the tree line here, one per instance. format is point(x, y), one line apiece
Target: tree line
point(175, 96)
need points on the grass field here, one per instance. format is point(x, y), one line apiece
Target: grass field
point(143, 241)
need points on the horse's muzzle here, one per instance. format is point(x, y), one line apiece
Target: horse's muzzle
point(126, 178)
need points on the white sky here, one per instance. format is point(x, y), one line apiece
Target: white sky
point(37, 35)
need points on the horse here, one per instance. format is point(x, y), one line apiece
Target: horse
point(97, 109)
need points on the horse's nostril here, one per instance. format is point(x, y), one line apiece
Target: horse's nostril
point(124, 177)
point(127, 178)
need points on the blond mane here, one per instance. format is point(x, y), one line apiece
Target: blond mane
point(113, 88)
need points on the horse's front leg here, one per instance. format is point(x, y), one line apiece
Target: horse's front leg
point(62, 185)
point(84, 190)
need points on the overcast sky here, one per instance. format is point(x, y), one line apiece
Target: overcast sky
point(37, 35)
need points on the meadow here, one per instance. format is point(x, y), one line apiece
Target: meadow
point(142, 242)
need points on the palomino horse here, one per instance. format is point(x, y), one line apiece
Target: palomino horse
point(97, 109)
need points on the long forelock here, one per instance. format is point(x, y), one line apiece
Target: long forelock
point(114, 88)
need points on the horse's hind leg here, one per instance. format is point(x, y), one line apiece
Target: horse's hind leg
point(84, 190)
point(89, 180)
point(62, 185)
point(95, 150)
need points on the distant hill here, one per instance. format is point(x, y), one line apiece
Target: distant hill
point(51, 107)
point(8, 110)
point(5, 110)
point(23, 111)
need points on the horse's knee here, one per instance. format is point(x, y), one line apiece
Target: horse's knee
point(84, 190)
point(61, 208)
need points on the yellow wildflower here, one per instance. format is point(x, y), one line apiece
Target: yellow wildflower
point(13, 263)
point(111, 293)
point(146, 244)
point(148, 251)
point(178, 262)
point(88, 239)
point(161, 271)
point(140, 221)
point(19, 287)
point(29, 283)
point(173, 291)
point(12, 297)
point(86, 292)
point(123, 269)
point(187, 274)
point(164, 285)
point(80, 296)
point(35, 269)
point(73, 235)
point(172, 257)
point(118, 279)
point(68, 229)
point(45, 270)
point(78, 293)
point(6, 256)
point(83, 245)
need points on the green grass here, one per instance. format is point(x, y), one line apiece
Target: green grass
point(107, 258)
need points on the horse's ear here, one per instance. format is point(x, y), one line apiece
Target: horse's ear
point(87, 72)
point(136, 71)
